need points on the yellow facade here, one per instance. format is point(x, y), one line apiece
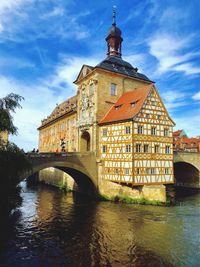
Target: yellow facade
point(60, 127)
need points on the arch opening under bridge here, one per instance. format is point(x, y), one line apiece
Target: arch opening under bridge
point(81, 167)
point(186, 175)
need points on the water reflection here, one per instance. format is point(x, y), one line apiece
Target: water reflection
point(51, 229)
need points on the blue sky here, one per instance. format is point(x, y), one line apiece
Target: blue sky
point(44, 43)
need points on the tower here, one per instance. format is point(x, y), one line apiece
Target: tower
point(114, 39)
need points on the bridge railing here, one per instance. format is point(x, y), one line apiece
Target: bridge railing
point(57, 154)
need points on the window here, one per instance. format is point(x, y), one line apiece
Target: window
point(104, 132)
point(128, 148)
point(153, 131)
point(138, 148)
point(159, 116)
point(148, 170)
point(126, 171)
point(83, 114)
point(63, 126)
point(166, 170)
point(153, 103)
point(146, 148)
point(151, 170)
point(118, 107)
point(128, 129)
point(91, 112)
point(138, 171)
point(104, 149)
point(113, 89)
point(116, 171)
point(133, 104)
point(91, 89)
point(140, 129)
point(167, 150)
point(147, 115)
point(157, 148)
point(166, 132)
point(58, 128)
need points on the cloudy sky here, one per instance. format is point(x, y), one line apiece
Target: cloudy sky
point(43, 44)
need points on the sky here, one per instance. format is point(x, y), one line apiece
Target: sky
point(44, 43)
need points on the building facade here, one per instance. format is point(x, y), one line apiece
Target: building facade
point(182, 143)
point(118, 114)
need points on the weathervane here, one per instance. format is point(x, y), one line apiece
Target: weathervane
point(114, 16)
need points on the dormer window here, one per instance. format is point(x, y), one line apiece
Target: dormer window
point(133, 104)
point(118, 107)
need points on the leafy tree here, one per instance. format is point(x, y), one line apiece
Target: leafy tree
point(8, 104)
point(13, 160)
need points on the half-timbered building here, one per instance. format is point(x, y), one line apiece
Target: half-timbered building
point(136, 142)
point(117, 113)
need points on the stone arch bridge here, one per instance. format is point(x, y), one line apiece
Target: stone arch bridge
point(82, 167)
point(187, 169)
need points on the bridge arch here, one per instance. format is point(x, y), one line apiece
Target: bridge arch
point(186, 174)
point(86, 182)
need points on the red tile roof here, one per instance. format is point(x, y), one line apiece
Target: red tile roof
point(177, 133)
point(123, 109)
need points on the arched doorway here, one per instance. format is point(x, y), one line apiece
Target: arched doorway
point(85, 141)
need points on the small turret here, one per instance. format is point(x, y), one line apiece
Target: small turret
point(114, 38)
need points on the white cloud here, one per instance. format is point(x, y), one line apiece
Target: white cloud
point(67, 71)
point(57, 11)
point(8, 4)
point(174, 99)
point(41, 98)
point(136, 60)
point(196, 96)
point(189, 122)
point(168, 50)
point(19, 21)
point(39, 102)
point(187, 68)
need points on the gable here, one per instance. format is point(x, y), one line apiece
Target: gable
point(85, 70)
point(153, 110)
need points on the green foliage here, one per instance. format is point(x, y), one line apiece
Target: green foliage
point(13, 162)
point(63, 186)
point(8, 104)
point(129, 200)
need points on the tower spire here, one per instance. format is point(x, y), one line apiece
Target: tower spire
point(114, 16)
point(114, 39)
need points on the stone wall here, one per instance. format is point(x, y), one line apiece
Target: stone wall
point(57, 178)
point(148, 192)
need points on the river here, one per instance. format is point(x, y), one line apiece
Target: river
point(51, 229)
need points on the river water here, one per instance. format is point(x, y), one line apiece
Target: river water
point(51, 229)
